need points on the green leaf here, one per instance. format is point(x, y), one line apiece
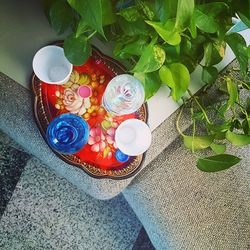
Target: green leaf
point(248, 105)
point(148, 8)
point(214, 8)
point(233, 93)
point(81, 27)
point(151, 59)
point(243, 10)
point(198, 116)
point(246, 127)
point(177, 77)
point(166, 32)
point(61, 16)
point(244, 19)
point(150, 81)
point(248, 51)
point(166, 9)
point(238, 45)
point(46, 7)
point(124, 50)
point(77, 49)
point(185, 9)
point(90, 11)
point(108, 16)
point(138, 27)
point(172, 52)
point(205, 22)
point(237, 139)
point(192, 27)
point(235, 124)
point(166, 76)
point(217, 162)
point(136, 48)
point(130, 14)
point(218, 148)
point(214, 53)
point(209, 74)
point(219, 128)
point(194, 49)
point(198, 142)
point(206, 16)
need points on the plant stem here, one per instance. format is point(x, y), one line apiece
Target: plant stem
point(177, 121)
point(194, 126)
point(92, 34)
point(203, 111)
point(242, 83)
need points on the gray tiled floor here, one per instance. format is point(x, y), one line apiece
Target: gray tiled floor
point(12, 163)
point(46, 213)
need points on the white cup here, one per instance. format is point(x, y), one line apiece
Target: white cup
point(133, 137)
point(51, 66)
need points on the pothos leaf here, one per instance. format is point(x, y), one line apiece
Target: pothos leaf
point(77, 49)
point(81, 27)
point(177, 77)
point(238, 46)
point(108, 16)
point(246, 126)
point(166, 32)
point(233, 93)
point(151, 59)
point(91, 12)
point(214, 53)
point(205, 16)
point(136, 47)
point(217, 162)
point(148, 8)
point(192, 27)
point(150, 81)
point(218, 148)
point(209, 74)
point(237, 139)
point(61, 16)
point(165, 9)
point(198, 142)
point(130, 14)
point(184, 13)
point(205, 22)
point(138, 27)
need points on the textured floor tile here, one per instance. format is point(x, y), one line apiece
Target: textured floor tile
point(12, 163)
point(46, 212)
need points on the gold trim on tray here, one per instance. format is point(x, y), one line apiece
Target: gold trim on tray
point(43, 118)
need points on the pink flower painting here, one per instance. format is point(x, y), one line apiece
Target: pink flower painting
point(97, 140)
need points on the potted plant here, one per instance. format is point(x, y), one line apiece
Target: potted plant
point(162, 42)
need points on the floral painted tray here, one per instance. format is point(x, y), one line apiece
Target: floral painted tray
point(97, 158)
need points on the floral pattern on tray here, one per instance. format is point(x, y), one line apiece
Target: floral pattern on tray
point(98, 156)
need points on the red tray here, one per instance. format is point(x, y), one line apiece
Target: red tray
point(97, 157)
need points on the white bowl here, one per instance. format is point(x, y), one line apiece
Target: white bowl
point(133, 137)
point(51, 66)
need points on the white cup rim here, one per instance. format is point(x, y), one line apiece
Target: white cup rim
point(35, 64)
point(143, 137)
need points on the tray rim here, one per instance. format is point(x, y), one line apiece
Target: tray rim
point(97, 173)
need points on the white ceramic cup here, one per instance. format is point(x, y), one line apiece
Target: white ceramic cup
point(51, 66)
point(133, 137)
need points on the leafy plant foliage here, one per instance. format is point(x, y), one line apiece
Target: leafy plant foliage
point(163, 41)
